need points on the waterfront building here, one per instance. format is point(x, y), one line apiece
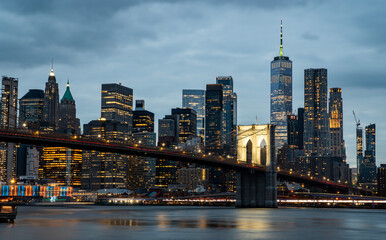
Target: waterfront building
point(187, 124)
point(117, 103)
point(336, 123)
point(281, 94)
point(100, 169)
point(51, 102)
point(359, 148)
point(142, 170)
point(63, 165)
point(381, 180)
point(213, 118)
point(193, 176)
point(229, 122)
point(367, 176)
point(195, 99)
point(143, 120)
point(8, 119)
point(316, 127)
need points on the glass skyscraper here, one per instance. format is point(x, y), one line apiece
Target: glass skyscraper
point(281, 94)
point(195, 99)
point(213, 118)
point(316, 127)
point(229, 122)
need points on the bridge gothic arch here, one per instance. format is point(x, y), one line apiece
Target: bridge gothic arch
point(254, 144)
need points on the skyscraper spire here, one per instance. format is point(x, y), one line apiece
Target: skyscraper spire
point(281, 37)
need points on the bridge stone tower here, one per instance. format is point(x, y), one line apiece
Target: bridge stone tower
point(256, 147)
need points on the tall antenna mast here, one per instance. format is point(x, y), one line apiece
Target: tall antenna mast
point(281, 37)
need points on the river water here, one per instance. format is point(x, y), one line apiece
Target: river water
point(177, 222)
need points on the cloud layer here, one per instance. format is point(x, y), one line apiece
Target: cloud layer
point(160, 47)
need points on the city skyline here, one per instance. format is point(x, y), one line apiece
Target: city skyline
point(355, 70)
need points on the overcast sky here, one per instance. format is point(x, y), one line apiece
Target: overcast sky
point(158, 48)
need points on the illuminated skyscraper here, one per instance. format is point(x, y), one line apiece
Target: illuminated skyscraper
point(187, 124)
point(281, 94)
point(143, 120)
point(8, 119)
point(51, 102)
point(142, 170)
point(336, 123)
point(229, 122)
point(359, 148)
point(213, 118)
point(195, 99)
point(117, 103)
point(100, 169)
point(367, 176)
point(316, 127)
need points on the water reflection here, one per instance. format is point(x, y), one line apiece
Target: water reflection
point(144, 222)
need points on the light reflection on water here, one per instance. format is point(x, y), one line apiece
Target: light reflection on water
point(150, 222)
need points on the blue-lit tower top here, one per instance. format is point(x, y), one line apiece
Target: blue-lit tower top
point(281, 93)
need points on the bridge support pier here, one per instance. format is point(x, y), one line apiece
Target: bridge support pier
point(256, 190)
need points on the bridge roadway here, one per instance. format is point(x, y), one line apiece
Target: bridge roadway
point(80, 142)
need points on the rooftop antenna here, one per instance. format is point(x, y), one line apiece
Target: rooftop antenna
point(281, 37)
point(52, 62)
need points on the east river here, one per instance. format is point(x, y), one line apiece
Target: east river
point(178, 222)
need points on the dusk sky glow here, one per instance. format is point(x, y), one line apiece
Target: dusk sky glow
point(158, 48)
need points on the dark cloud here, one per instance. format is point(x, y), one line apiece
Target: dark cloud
point(160, 47)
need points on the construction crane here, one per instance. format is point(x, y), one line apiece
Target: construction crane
point(358, 122)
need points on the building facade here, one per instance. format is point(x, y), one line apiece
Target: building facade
point(187, 124)
point(229, 122)
point(51, 102)
point(195, 99)
point(316, 119)
point(117, 103)
point(367, 176)
point(214, 118)
point(8, 119)
point(104, 170)
point(68, 122)
point(143, 120)
point(31, 109)
point(336, 123)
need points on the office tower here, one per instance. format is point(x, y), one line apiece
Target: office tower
point(63, 165)
point(229, 122)
point(195, 99)
point(381, 181)
point(281, 94)
point(368, 170)
point(8, 119)
point(168, 130)
point(68, 123)
point(213, 118)
point(336, 123)
point(316, 128)
point(100, 169)
point(51, 102)
point(143, 120)
point(31, 109)
point(142, 170)
point(187, 124)
point(168, 137)
point(117, 103)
